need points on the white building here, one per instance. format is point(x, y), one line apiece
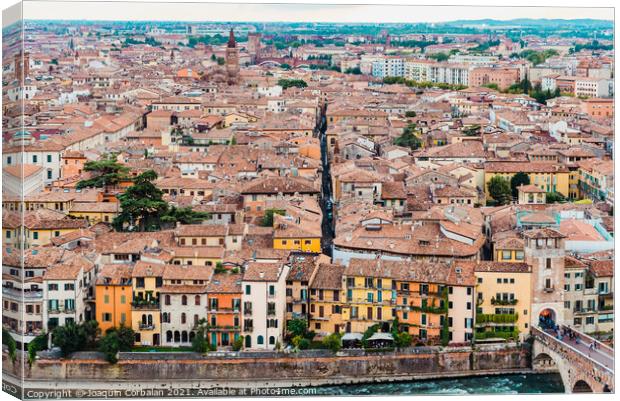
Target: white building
point(593, 87)
point(264, 304)
point(63, 292)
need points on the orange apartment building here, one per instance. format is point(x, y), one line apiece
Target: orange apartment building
point(597, 107)
point(224, 308)
point(113, 296)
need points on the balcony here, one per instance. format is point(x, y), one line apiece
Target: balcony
point(584, 310)
point(19, 295)
point(223, 328)
point(143, 304)
point(493, 319)
point(147, 326)
point(224, 310)
point(247, 312)
point(503, 301)
point(549, 289)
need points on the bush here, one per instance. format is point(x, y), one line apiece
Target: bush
point(403, 340)
point(115, 341)
point(109, 345)
point(237, 344)
point(300, 342)
point(9, 341)
point(332, 342)
point(38, 344)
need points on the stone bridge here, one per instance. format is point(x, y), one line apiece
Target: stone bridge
point(583, 370)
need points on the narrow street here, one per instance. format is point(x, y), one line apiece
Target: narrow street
point(326, 191)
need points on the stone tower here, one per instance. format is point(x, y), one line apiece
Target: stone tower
point(22, 66)
point(232, 59)
point(545, 253)
point(254, 45)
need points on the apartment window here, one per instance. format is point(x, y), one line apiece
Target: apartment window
point(519, 255)
point(69, 287)
point(107, 317)
point(34, 158)
point(197, 300)
point(590, 320)
point(35, 235)
point(52, 287)
point(272, 290)
point(548, 263)
point(506, 255)
point(248, 290)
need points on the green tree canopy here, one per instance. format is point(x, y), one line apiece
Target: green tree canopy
point(70, 338)
point(9, 341)
point(185, 215)
point(409, 139)
point(105, 172)
point(555, 197)
point(268, 217)
point(200, 343)
point(288, 83)
point(297, 327)
point(116, 340)
point(499, 189)
point(517, 180)
point(39, 343)
point(144, 209)
point(142, 206)
point(332, 342)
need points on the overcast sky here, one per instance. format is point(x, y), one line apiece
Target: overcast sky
point(298, 12)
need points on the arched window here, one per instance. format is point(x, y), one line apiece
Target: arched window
point(168, 336)
point(184, 300)
point(183, 319)
point(248, 341)
point(144, 319)
point(259, 340)
point(272, 340)
point(196, 319)
point(150, 320)
point(197, 299)
point(164, 317)
point(191, 336)
point(177, 337)
point(184, 336)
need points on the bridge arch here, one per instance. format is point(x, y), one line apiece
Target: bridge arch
point(269, 63)
point(543, 362)
point(579, 372)
point(581, 386)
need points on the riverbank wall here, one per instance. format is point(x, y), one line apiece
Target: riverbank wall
point(318, 367)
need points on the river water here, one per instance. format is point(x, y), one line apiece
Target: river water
point(500, 384)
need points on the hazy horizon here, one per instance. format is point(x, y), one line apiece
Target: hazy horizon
point(296, 13)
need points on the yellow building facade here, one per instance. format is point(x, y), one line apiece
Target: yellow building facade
point(549, 177)
point(147, 279)
point(503, 303)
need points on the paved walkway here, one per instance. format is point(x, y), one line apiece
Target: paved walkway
point(601, 355)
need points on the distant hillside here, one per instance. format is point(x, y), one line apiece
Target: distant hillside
point(530, 22)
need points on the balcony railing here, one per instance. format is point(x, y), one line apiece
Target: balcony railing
point(146, 326)
point(144, 304)
point(19, 294)
point(503, 301)
point(549, 289)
